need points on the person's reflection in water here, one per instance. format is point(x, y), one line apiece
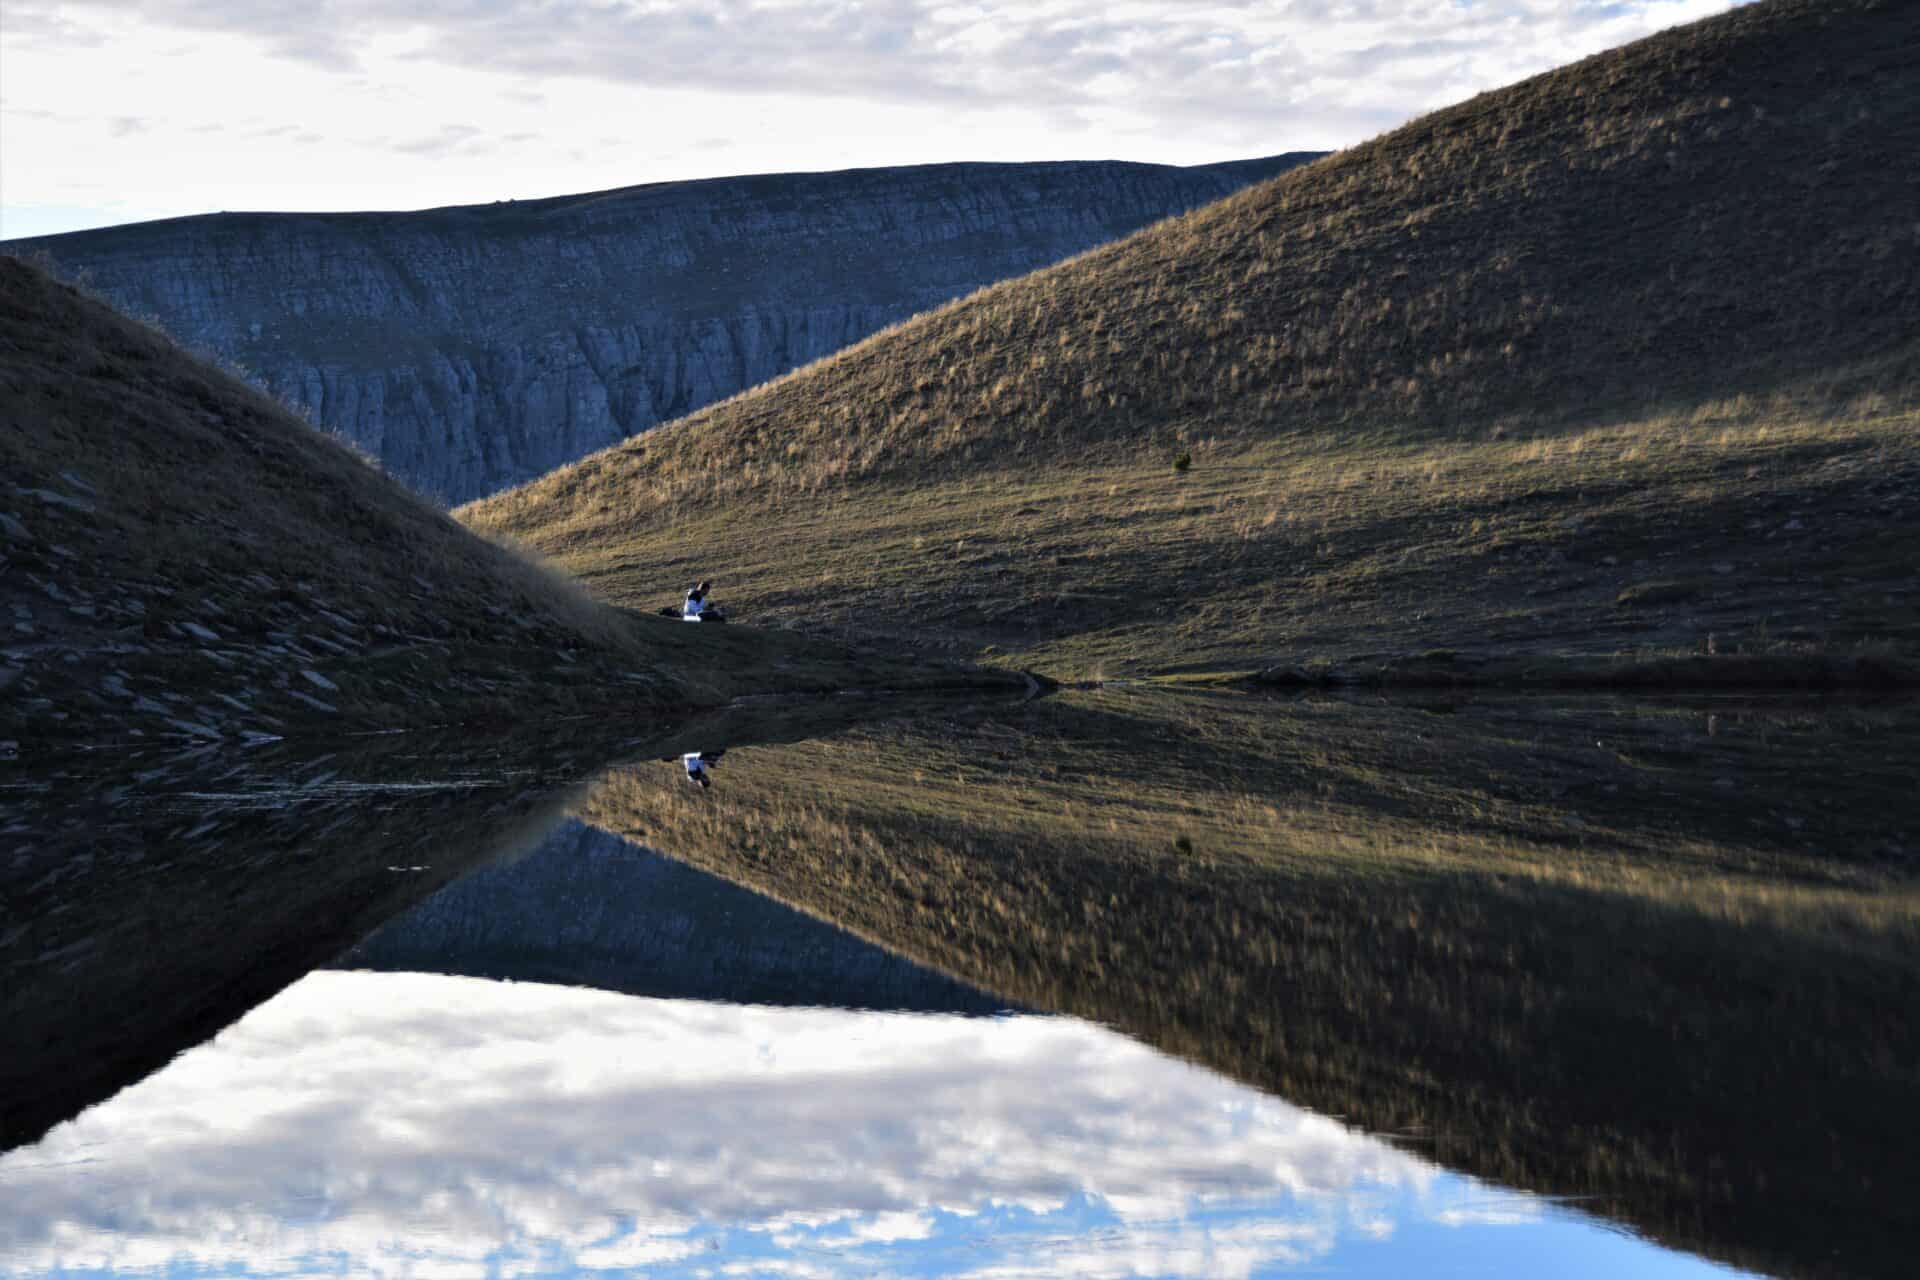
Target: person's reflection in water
point(697, 763)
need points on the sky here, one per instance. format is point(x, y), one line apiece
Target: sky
point(112, 111)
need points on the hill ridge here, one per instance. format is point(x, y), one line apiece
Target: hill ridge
point(1696, 225)
point(540, 204)
point(473, 346)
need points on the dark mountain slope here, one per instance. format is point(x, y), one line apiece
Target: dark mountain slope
point(184, 558)
point(472, 348)
point(1621, 310)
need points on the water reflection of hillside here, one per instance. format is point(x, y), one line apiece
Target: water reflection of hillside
point(157, 898)
point(154, 894)
point(589, 909)
point(1662, 958)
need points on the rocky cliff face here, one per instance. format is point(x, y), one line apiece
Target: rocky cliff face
point(469, 349)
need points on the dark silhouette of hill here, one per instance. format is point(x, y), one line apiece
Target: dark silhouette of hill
point(185, 559)
point(1618, 314)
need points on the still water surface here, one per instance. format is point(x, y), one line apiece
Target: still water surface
point(412, 1125)
point(1168, 988)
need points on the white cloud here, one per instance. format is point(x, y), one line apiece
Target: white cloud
point(429, 1125)
point(471, 100)
point(643, 1250)
point(882, 1228)
point(1168, 1249)
point(1507, 1211)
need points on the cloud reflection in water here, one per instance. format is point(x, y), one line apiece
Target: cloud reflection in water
point(411, 1125)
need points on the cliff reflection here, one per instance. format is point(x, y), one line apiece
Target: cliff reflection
point(1664, 959)
point(152, 895)
point(589, 909)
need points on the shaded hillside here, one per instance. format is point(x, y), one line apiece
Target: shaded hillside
point(472, 348)
point(590, 909)
point(184, 558)
point(1655, 958)
point(1593, 335)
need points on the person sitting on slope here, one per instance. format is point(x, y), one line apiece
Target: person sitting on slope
point(698, 608)
point(696, 763)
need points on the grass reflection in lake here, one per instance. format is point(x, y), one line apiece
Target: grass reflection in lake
point(1663, 957)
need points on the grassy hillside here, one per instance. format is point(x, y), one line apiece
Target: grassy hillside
point(1621, 356)
point(183, 558)
point(1654, 958)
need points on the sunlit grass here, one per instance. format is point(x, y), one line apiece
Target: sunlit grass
point(1621, 537)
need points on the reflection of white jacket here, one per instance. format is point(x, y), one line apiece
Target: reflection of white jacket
point(695, 766)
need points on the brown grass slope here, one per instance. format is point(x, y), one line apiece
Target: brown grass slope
point(1613, 315)
point(1659, 958)
point(184, 558)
